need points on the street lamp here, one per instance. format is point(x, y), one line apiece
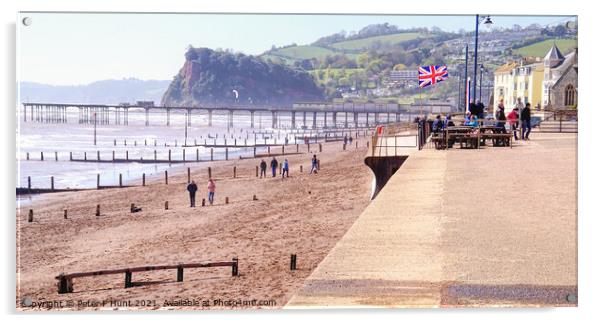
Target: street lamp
point(487, 21)
point(481, 84)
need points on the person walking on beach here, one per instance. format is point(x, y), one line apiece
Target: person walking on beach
point(192, 188)
point(525, 118)
point(211, 189)
point(263, 166)
point(314, 165)
point(513, 120)
point(285, 168)
point(274, 165)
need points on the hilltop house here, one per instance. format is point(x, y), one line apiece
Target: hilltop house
point(550, 83)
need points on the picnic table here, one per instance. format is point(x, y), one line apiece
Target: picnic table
point(467, 136)
point(498, 136)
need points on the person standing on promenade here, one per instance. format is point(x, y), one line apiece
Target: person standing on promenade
point(274, 165)
point(525, 118)
point(263, 166)
point(314, 165)
point(438, 125)
point(500, 116)
point(285, 168)
point(480, 110)
point(472, 108)
point(211, 189)
point(192, 188)
point(513, 120)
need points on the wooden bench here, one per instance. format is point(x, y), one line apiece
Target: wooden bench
point(499, 139)
point(65, 284)
point(438, 138)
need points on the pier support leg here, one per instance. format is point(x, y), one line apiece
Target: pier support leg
point(210, 117)
point(314, 121)
point(274, 119)
point(252, 119)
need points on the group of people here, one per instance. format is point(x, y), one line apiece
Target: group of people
point(347, 140)
point(520, 112)
point(285, 167)
point(476, 111)
point(192, 188)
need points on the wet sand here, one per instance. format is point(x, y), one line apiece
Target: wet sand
point(303, 214)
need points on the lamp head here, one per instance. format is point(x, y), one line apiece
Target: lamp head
point(488, 22)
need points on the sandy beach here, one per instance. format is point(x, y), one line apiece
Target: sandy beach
point(303, 214)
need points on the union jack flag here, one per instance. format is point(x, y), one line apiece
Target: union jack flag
point(429, 75)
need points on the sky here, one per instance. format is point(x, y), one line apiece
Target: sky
point(80, 48)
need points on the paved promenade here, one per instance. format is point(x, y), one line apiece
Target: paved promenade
point(495, 226)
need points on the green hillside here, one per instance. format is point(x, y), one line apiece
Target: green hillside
point(540, 49)
point(303, 52)
point(366, 43)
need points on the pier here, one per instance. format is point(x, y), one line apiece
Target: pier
point(304, 115)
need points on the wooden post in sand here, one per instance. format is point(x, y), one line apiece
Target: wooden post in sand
point(98, 210)
point(143, 179)
point(227, 200)
point(254, 152)
point(280, 168)
point(98, 181)
point(283, 149)
point(226, 153)
point(29, 182)
point(167, 205)
point(256, 171)
point(234, 172)
point(318, 164)
point(235, 267)
point(301, 168)
point(320, 147)
point(189, 175)
point(165, 177)
point(65, 214)
point(203, 202)
point(308, 146)
point(209, 172)
point(197, 155)
point(293, 262)
point(52, 183)
point(120, 180)
point(30, 216)
point(211, 154)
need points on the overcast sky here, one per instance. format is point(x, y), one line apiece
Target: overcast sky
point(79, 48)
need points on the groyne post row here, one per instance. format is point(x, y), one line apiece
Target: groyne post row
point(120, 184)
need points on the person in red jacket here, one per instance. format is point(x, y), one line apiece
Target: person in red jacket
point(513, 120)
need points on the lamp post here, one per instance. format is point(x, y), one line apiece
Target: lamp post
point(488, 23)
point(481, 84)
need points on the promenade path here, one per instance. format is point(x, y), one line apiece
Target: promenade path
point(497, 226)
